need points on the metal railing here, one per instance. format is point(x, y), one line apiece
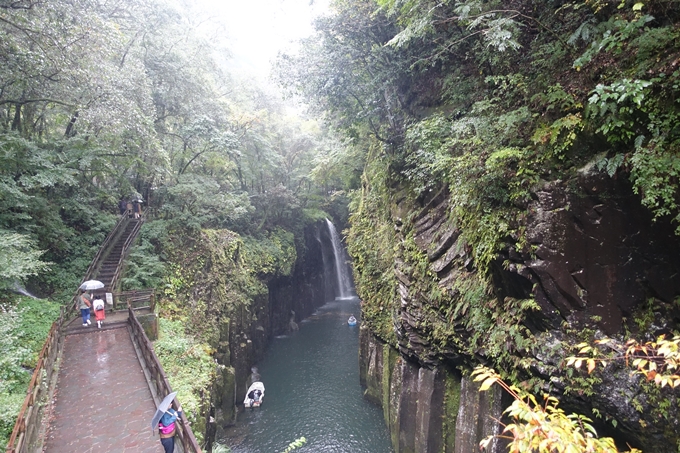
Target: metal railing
point(27, 426)
point(160, 381)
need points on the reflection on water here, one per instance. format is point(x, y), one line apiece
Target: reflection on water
point(312, 390)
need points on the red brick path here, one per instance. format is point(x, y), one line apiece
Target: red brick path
point(103, 403)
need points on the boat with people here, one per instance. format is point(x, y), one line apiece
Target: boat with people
point(352, 321)
point(254, 395)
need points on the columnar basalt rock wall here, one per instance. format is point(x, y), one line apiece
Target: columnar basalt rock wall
point(245, 336)
point(310, 286)
point(428, 410)
point(593, 262)
point(598, 254)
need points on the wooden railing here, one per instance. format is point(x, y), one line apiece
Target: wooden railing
point(160, 381)
point(126, 249)
point(27, 426)
point(140, 298)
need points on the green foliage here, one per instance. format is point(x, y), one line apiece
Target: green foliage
point(613, 35)
point(543, 428)
point(143, 268)
point(371, 243)
point(655, 171)
point(18, 258)
point(24, 325)
point(272, 256)
point(610, 105)
point(188, 364)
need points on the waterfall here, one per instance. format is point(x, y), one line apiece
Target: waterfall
point(341, 268)
point(19, 289)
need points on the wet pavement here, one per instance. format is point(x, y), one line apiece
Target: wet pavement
point(102, 402)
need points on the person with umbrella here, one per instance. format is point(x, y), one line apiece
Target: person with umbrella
point(137, 207)
point(164, 419)
point(84, 299)
point(84, 304)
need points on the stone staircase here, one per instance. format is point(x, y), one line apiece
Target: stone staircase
point(109, 267)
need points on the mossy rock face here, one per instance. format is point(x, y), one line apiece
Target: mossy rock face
point(451, 407)
point(390, 357)
point(420, 405)
point(394, 404)
point(224, 396)
point(545, 291)
point(371, 366)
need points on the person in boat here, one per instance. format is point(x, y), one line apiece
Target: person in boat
point(352, 319)
point(255, 395)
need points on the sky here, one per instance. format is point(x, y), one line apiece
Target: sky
point(256, 30)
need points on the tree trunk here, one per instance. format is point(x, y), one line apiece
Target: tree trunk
point(70, 131)
point(16, 122)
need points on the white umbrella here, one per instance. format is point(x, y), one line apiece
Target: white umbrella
point(91, 284)
point(162, 408)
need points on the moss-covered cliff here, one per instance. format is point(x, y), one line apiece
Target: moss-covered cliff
point(519, 190)
point(233, 293)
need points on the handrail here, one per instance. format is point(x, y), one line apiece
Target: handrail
point(160, 381)
point(27, 424)
point(147, 295)
point(124, 252)
point(88, 274)
point(26, 428)
point(104, 246)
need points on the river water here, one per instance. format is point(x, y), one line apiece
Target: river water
point(312, 389)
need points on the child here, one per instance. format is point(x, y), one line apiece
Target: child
point(99, 312)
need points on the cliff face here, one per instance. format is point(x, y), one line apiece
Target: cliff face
point(591, 263)
point(287, 300)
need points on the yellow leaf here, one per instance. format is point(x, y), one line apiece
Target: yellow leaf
point(638, 6)
point(487, 383)
point(591, 366)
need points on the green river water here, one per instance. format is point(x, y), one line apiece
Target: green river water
point(312, 389)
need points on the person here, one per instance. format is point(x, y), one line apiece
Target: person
point(122, 206)
point(84, 304)
point(167, 428)
point(99, 311)
point(137, 208)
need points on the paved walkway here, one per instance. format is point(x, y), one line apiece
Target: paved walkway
point(102, 401)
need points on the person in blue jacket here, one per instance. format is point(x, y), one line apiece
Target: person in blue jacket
point(167, 428)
